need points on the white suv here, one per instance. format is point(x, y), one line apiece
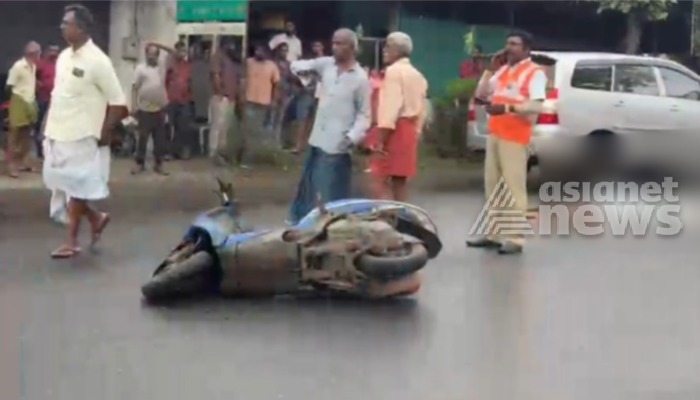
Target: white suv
point(608, 94)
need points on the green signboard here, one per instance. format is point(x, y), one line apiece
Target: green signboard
point(212, 10)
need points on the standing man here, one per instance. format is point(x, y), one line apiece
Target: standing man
point(287, 90)
point(226, 104)
point(289, 36)
point(517, 89)
point(262, 78)
point(21, 82)
point(341, 122)
point(473, 66)
point(86, 104)
point(45, 75)
point(400, 117)
point(178, 82)
point(150, 99)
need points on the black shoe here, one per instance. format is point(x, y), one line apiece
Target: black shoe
point(483, 243)
point(139, 168)
point(510, 248)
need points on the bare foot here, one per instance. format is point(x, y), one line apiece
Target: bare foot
point(98, 228)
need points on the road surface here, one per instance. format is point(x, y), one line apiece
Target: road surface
point(572, 318)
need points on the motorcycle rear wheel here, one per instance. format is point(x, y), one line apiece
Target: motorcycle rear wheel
point(389, 266)
point(188, 277)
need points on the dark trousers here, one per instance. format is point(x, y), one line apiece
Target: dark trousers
point(151, 124)
point(42, 108)
point(181, 142)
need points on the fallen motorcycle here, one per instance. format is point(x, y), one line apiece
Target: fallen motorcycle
point(343, 247)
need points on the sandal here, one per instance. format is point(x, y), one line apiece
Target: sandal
point(97, 232)
point(65, 252)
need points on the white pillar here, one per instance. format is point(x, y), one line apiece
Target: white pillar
point(143, 19)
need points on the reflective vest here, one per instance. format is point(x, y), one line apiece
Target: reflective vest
point(512, 87)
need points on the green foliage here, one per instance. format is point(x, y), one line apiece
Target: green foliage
point(446, 133)
point(469, 40)
point(653, 10)
point(461, 89)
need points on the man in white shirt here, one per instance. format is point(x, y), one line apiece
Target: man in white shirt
point(21, 81)
point(87, 102)
point(289, 36)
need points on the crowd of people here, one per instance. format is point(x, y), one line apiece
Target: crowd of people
point(348, 108)
point(71, 101)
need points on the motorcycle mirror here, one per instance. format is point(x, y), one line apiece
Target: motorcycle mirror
point(225, 190)
point(320, 204)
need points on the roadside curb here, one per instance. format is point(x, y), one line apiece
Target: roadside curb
point(194, 191)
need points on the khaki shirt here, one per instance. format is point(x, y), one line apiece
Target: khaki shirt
point(403, 94)
point(85, 85)
point(22, 78)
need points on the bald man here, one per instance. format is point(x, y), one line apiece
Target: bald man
point(400, 116)
point(21, 82)
point(341, 122)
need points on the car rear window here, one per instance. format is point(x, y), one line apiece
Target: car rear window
point(592, 77)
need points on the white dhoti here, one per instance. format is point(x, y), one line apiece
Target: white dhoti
point(78, 169)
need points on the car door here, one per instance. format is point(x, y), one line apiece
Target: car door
point(589, 95)
point(682, 91)
point(638, 92)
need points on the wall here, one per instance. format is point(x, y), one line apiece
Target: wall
point(438, 46)
point(40, 21)
point(374, 18)
point(147, 20)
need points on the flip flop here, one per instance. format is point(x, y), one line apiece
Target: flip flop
point(65, 252)
point(97, 233)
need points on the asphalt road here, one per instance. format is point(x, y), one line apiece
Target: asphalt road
point(572, 318)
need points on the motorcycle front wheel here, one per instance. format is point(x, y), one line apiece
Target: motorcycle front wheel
point(411, 258)
point(185, 278)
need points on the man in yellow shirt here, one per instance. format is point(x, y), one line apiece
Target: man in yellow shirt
point(21, 81)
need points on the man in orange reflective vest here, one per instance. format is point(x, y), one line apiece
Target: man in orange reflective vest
point(516, 89)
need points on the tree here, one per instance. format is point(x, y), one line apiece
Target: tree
point(638, 12)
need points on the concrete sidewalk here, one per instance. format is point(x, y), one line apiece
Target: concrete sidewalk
point(447, 176)
point(190, 185)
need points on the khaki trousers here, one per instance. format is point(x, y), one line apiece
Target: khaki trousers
point(507, 160)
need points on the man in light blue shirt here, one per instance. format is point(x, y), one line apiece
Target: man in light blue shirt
point(342, 119)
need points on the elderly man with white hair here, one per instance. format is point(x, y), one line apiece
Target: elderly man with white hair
point(21, 82)
point(341, 121)
point(400, 117)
